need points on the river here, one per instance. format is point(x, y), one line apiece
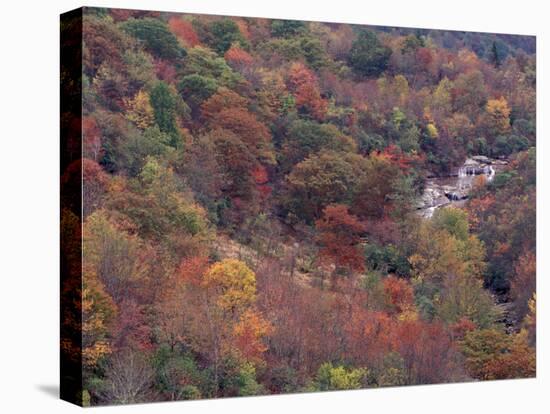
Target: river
point(454, 189)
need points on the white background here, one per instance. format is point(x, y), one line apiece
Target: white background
point(29, 159)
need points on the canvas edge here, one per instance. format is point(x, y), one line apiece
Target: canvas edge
point(71, 386)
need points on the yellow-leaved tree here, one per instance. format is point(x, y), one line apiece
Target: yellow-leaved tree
point(233, 283)
point(451, 261)
point(226, 327)
point(140, 111)
point(97, 310)
point(497, 114)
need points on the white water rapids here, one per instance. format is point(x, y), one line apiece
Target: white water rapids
point(455, 188)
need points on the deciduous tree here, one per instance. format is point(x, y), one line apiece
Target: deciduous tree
point(339, 234)
point(303, 84)
point(233, 284)
point(321, 179)
point(140, 111)
point(497, 114)
point(492, 354)
point(184, 31)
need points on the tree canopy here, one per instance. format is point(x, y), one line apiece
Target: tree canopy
point(251, 193)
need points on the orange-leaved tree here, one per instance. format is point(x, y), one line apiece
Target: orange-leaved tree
point(304, 86)
point(339, 235)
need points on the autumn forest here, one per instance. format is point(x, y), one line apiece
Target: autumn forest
point(278, 206)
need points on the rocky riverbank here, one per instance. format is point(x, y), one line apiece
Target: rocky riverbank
point(455, 188)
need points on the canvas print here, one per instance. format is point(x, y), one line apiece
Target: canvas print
point(256, 206)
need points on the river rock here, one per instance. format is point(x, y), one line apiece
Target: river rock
point(456, 195)
point(471, 162)
point(441, 191)
point(476, 165)
point(499, 162)
point(482, 159)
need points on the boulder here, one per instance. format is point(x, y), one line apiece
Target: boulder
point(482, 159)
point(456, 195)
point(471, 162)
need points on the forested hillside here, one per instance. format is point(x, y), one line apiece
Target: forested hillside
point(251, 193)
